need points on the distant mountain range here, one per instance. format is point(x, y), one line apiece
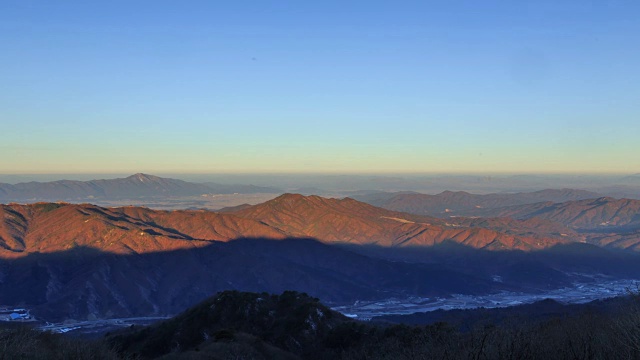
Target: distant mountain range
point(133, 187)
point(601, 214)
point(463, 203)
point(603, 221)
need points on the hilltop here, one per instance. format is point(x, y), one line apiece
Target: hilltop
point(136, 186)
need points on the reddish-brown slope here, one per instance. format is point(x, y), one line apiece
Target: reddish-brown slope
point(583, 214)
point(13, 228)
point(348, 220)
point(200, 224)
point(604, 221)
point(56, 227)
point(534, 227)
point(50, 227)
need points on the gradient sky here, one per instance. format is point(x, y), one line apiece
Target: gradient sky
point(322, 86)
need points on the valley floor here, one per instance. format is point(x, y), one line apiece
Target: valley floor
point(579, 293)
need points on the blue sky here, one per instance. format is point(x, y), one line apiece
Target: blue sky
point(332, 86)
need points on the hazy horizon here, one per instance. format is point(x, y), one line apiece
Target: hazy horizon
point(339, 185)
point(119, 174)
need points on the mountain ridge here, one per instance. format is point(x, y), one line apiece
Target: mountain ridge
point(138, 185)
point(464, 203)
point(60, 226)
point(348, 220)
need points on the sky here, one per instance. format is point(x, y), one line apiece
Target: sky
point(319, 86)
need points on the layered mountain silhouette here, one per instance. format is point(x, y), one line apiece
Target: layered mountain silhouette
point(47, 227)
point(132, 187)
point(591, 214)
point(463, 203)
point(81, 260)
point(603, 221)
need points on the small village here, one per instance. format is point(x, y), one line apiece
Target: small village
point(15, 314)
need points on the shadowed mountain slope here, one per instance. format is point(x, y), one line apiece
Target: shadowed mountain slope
point(82, 283)
point(552, 266)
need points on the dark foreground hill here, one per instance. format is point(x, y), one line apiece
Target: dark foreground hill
point(252, 325)
point(239, 325)
point(235, 325)
point(26, 344)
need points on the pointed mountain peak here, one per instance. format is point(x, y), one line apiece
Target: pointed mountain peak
point(141, 177)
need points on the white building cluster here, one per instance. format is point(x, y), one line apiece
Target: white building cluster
point(17, 314)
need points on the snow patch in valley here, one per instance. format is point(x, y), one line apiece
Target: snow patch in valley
point(579, 293)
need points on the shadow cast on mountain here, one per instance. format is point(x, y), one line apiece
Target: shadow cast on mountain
point(556, 266)
point(84, 282)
